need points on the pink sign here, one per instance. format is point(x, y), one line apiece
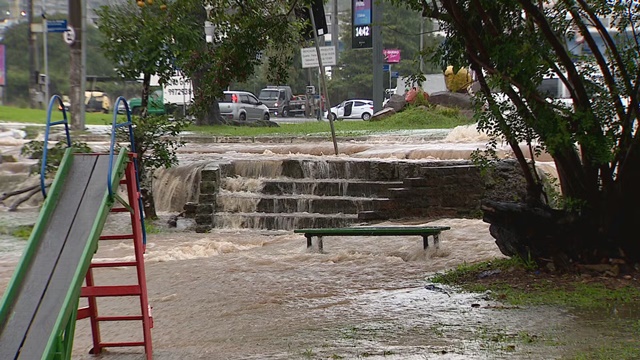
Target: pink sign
point(3, 82)
point(391, 56)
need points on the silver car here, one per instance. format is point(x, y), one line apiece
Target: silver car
point(242, 105)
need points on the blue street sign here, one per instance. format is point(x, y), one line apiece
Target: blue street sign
point(59, 26)
point(395, 74)
point(386, 67)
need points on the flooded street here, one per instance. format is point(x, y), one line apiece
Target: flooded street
point(246, 294)
point(261, 294)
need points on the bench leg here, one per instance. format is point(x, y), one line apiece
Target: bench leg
point(309, 243)
point(320, 245)
point(425, 241)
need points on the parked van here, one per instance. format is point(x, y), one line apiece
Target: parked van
point(280, 101)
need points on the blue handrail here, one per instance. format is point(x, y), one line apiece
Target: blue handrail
point(45, 146)
point(114, 127)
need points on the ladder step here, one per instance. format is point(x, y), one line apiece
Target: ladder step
point(83, 313)
point(113, 264)
point(125, 290)
point(117, 344)
point(122, 209)
point(120, 318)
point(116, 237)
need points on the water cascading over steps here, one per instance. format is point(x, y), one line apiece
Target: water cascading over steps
point(289, 194)
point(286, 194)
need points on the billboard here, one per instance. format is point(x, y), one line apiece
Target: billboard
point(3, 71)
point(361, 34)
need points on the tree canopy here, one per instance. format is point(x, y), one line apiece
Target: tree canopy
point(512, 46)
point(17, 55)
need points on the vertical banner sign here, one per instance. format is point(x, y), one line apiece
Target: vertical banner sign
point(3, 71)
point(361, 16)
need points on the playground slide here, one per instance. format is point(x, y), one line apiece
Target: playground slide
point(37, 317)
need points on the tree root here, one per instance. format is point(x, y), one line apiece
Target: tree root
point(17, 192)
point(30, 192)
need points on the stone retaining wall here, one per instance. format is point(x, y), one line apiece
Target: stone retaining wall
point(429, 190)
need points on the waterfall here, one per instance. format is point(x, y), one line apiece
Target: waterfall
point(175, 186)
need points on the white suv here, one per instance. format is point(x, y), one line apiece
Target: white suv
point(242, 105)
point(352, 109)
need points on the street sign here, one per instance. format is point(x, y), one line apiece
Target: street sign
point(69, 36)
point(395, 74)
point(386, 67)
point(310, 56)
point(58, 26)
point(391, 56)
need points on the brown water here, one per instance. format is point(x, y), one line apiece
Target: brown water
point(246, 294)
point(253, 294)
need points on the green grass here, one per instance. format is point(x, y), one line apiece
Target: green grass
point(21, 232)
point(38, 116)
point(625, 351)
point(593, 300)
point(410, 119)
point(574, 294)
point(151, 228)
point(464, 274)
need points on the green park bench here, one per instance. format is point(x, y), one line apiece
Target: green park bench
point(424, 231)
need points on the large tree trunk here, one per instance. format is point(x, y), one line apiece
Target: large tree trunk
point(148, 203)
point(545, 235)
point(211, 116)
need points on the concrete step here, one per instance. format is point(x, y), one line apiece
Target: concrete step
point(254, 202)
point(282, 221)
point(328, 187)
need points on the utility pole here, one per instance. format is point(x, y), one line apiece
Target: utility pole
point(378, 58)
point(335, 37)
point(31, 36)
point(323, 83)
point(45, 53)
point(77, 73)
point(421, 43)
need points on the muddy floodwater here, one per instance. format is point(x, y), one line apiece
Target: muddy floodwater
point(261, 294)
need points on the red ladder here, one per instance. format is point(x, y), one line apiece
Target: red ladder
point(92, 291)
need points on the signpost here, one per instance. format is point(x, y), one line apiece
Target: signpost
point(69, 36)
point(310, 56)
point(2, 73)
point(54, 26)
point(57, 26)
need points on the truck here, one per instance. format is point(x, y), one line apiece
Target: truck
point(155, 105)
point(281, 101)
point(170, 98)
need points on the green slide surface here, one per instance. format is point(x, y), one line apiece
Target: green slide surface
point(37, 317)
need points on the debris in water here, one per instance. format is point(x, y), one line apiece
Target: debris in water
point(435, 288)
